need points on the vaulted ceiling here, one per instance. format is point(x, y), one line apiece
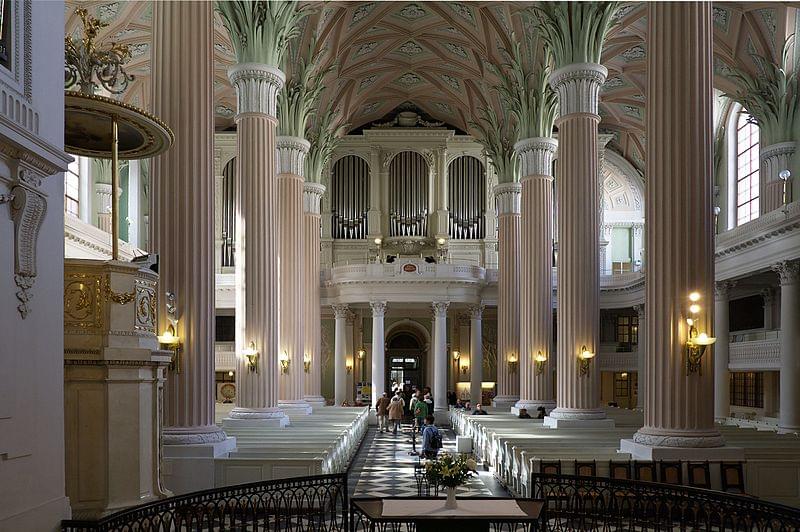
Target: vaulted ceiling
point(440, 56)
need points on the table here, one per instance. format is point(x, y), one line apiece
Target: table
point(475, 514)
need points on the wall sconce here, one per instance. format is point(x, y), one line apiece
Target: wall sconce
point(464, 368)
point(540, 359)
point(361, 354)
point(456, 356)
point(584, 359)
point(230, 373)
point(717, 210)
point(349, 365)
point(251, 357)
point(512, 363)
point(785, 176)
point(378, 241)
point(306, 362)
point(172, 341)
point(283, 359)
point(697, 341)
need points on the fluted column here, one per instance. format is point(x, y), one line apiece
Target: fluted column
point(182, 211)
point(312, 194)
point(508, 242)
point(475, 353)
point(679, 404)
point(440, 355)
point(578, 293)
point(291, 153)
point(378, 353)
point(774, 159)
point(103, 202)
point(722, 327)
point(341, 313)
point(789, 416)
point(536, 271)
point(641, 377)
point(257, 242)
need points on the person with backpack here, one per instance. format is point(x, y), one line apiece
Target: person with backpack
point(431, 439)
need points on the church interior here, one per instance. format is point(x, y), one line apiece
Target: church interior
point(367, 265)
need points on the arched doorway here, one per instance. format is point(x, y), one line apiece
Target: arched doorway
point(405, 360)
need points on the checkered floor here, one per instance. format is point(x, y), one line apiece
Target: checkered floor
point(383, 467)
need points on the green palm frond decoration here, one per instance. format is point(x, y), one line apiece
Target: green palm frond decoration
point(771, 97)
point(324, 137)
point(574, 32)
point(261, 30)
point(528, 96)
point(498, 140)
point(300, 96)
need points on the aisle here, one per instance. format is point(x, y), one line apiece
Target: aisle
point(383, 468)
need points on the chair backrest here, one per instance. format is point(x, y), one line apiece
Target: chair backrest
point(619, 470)
point(644, 471)
point(670, 472)
point(699, 474)
point(550, 468)
point(586, 469)
point(732, 477)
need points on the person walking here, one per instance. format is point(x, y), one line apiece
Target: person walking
point(382, 411)
point(395, 410)
point(431, 439)
point(420, 410)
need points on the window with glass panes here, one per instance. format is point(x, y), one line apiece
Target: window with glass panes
point(747, 389)
point(747, 153)
point(628, 330)
point(72, 188)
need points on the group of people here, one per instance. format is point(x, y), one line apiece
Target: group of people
point(390, 411)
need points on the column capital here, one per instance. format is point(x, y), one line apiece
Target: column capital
point(312, 194)
point(291, 152)
point(508, 197)
point(788, 271)
point(639, 311)
point(378, 308)
point(536, 156)
point(440, 308)
point(340, 311)
point(578, 87)
point(257, 86)
point(721, 289)
point(476, 312)
point(768, 294)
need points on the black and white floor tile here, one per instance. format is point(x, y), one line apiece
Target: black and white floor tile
point(384, 467)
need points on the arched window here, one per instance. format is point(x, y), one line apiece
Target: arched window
point(747, 177)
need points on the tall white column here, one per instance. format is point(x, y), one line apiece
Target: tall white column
point(440, 355)
point(536, 272)
point(508, 197)
point(378, 353)
point(85, 174)
point(134, 202)
point(789, 416)
point(341, 313)
point(312, 193)
point(475, 352)
point(291, 153)
point(375, 187)
point(722, 326)
point(641, 363)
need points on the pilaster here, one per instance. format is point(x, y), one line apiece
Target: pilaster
point(789, 415)
point(440, 355)
point(722, 326)
point(378, 352)
point(475, 352)
point(312, 351)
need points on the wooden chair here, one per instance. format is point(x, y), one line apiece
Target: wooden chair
point(670, 472)
point(550, 467)
point(699, 474)
point(732, 477)
point(586, 469)
point(619, 470)
point(644, 471)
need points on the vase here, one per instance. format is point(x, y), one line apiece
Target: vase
point(451, 503)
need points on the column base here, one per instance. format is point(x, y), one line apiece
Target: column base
point(686, 439)
point(504, 402)
point(562, 423)
point(190, 467)
point(193, 435)
point(532, 405)
point(255, 417)
point(316, 401)
point(788, 430)
point(295, 408)
point(640, 451)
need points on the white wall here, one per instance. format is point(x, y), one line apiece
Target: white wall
point(31, 350)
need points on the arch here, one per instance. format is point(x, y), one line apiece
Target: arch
point(409, 326)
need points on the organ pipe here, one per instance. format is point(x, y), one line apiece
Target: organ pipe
point(408, 199)
point(467, 196)
point(350, 198)
point(228, 213)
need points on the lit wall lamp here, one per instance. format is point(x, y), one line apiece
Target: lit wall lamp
point(306, 362)
point(717, 210)
point(349, 365)
point(283, 359)
point(512, 362)
point(584, 359)
point(697, 341)
point(250, 355)
point(464, 368)
point(456, 356)
point(169, 338)
point(785, 176)
point(540, 360)
point(361, 354)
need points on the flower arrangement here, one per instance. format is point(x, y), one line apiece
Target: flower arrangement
point(450, 471)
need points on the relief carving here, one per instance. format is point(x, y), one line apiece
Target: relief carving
point(27, 212)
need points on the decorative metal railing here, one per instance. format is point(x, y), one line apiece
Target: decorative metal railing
point(603, 504)
point(311, 503)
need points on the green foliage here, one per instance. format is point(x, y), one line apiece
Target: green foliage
point(498, 140)
point(300, 97)
point(770, 97)
point(527, 94)
point(574, 32)
point(261, 30)
point(324, 136)
point(450, 471)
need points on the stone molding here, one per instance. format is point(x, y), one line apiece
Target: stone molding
point(257, 86)
point(763, 228)
point(775, 158)
point(570, 413)
point(440, 308)
point(701, 440)
point(509, 197)
point(378, 308)
point(260, 413)
point(291, 155)
point(722, 288)
point(640, 310)
point(536, 156)
point(788, 271)
point(312, 195)
point(759, 355)
point(578, 87)
point(192, 435)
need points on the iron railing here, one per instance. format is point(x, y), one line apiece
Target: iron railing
point(605, 504)
point(301, 504)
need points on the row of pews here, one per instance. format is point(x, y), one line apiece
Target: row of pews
point(514, 449)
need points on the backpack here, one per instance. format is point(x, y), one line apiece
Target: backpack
point(436, 439)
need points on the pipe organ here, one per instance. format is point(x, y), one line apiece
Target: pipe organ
point(466, 198)
point(349, 198)
point(408, 195)
point(228, 213)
